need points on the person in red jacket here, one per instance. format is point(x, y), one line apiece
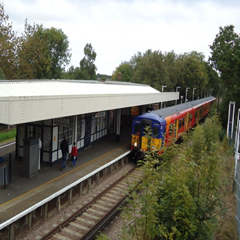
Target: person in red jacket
point(74, 154)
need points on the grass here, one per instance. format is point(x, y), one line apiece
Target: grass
point(7, 136)
point(227, 229)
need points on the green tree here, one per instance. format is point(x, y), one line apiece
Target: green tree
point(225, 58)
point(149, 69)
point(173, 65)
point(225, 55)
point(8, 46)
point(87, 66)
point(126, 71)
point(194, 73)
point(43, 53)
point(58, 45)
point(189, 190)
point(71, 73)
point(176, 206)
point(2, 76)
point(33, 55)
point(157, 69)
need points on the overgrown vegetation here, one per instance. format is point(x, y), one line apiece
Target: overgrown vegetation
point(183, 197)
point(4, 136)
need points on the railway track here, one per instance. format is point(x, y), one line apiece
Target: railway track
point(86, 222)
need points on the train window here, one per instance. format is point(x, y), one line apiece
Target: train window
point(179, 123)
point(137, 128)
point(196, 113)
point(155, 132)
point(146, 127)
point(201, 112)
point(163, 131)
point(190, 117)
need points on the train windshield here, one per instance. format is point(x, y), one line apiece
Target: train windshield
point(137, 128)
point(155, 132)
point(146, 123)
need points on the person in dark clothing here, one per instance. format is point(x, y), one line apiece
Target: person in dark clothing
point(65, 151)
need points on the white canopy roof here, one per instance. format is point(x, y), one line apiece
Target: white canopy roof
point(24, 101)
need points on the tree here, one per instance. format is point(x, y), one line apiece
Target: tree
point(148, 68)
point(87, 66)
point(225, 55)
point(194, 73)
point(176, 206)
point(126, 71)
point(58, 44)
point(225, 58)
point(2, 76)
point(8, 46)
point(43, 52)
point(189, 197)
point(33, 55)
point(157, 69)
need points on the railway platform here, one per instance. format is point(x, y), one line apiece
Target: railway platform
point(23, 193)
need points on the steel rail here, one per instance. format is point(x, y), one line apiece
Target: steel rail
point(102, 222)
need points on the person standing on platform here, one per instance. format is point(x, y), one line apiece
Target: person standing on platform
point(74, 154)
point(65, 151)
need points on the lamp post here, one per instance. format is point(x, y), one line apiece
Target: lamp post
point(176, 91)
point(162, 91)
point(193, 94)
point(181, 99)
point(186, 94)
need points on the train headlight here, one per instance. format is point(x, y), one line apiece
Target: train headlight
point(135, 144)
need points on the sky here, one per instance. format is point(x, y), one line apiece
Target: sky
point(119, 29)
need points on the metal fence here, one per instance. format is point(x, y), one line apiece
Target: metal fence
point(237, 180)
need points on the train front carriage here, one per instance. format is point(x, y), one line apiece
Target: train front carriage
point(167, 124)
point(140, 141)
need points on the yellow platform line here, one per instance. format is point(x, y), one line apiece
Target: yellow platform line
point(61, 176)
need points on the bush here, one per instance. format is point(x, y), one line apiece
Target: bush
point(7, 135)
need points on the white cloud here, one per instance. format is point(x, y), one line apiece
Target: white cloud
point(118, 29)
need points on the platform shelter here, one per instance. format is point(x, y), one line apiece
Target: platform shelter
point(84, 111)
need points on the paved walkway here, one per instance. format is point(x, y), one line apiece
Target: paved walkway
point(101, 151)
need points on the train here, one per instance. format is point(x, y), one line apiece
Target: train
point(167, 125)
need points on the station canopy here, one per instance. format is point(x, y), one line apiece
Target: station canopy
point(23, 101)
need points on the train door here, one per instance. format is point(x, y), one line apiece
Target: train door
point(87, 137)
point(190, 120)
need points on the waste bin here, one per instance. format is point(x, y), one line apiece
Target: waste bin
point(30, 157)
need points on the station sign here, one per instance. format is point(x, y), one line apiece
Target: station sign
point(100, 114)
point(61, 121)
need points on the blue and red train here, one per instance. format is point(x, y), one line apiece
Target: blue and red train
point(168, 124)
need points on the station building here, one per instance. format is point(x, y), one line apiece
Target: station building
point(84, 111)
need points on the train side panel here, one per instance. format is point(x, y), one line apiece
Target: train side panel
point(169, 129)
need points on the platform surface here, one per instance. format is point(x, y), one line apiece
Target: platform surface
point(23, 192)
